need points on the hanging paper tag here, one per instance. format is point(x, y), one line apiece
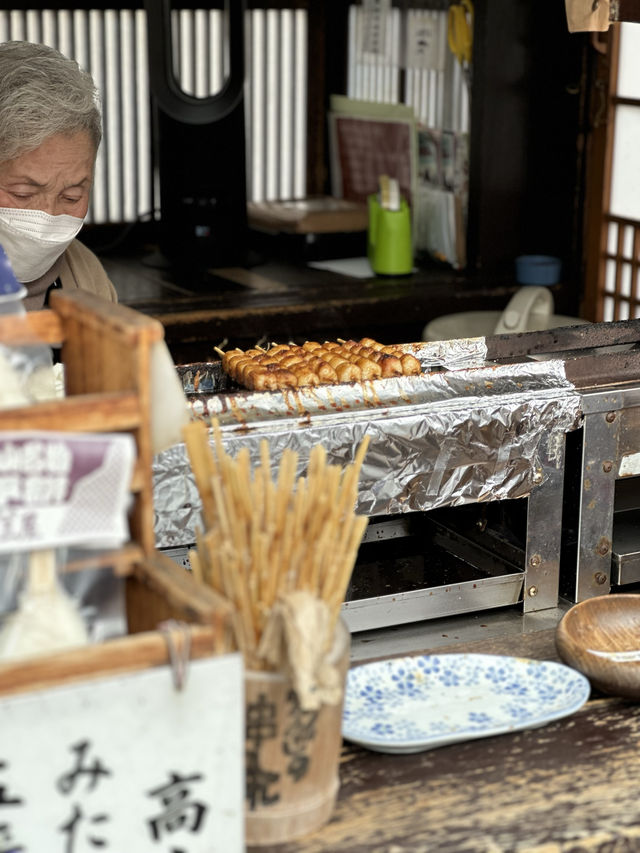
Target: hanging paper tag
point(374, 26)
point(60, 488)
point(426, 34)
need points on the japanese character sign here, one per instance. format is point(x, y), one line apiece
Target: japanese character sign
point(64, 489)
point(126, 764)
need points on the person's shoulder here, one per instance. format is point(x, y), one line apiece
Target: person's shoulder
point(77, 252)
point(83, 269)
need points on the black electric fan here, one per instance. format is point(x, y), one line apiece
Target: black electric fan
point(199, 152)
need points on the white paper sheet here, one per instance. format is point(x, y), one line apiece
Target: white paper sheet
point(354, 267)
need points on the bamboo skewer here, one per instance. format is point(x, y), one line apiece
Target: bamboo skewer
point(269, 535)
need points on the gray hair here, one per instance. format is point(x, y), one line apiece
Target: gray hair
point(43, 93)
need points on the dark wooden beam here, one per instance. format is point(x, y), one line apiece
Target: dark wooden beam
point(624, 11)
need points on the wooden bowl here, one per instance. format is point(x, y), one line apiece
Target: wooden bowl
point(600, 637)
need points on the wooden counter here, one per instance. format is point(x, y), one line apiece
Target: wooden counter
point(572, 785)
point(282, 302)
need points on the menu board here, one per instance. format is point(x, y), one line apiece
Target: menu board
point(365, 149)
point(369, 140)
point(128, 764)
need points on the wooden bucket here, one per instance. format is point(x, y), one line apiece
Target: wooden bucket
point(292, 756)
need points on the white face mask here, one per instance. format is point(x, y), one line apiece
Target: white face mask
point(34, 240)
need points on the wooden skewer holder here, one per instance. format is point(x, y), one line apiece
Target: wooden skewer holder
point(292, 755)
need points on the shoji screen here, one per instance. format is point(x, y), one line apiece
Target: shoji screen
point(112, 45)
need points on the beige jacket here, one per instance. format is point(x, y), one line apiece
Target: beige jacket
point(77, 268)
point(81, 268)
point(587, 15)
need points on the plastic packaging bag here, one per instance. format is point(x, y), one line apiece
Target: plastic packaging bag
point(26, 364)
point(47, 619)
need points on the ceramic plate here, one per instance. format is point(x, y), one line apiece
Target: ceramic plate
point(416, 703)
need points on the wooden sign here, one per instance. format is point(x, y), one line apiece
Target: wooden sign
point(128, 764)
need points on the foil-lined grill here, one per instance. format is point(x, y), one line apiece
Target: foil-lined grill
point(444, 438)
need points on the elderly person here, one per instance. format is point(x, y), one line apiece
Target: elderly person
point(50, 130)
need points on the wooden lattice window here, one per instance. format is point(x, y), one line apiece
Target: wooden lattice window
point(612, 280)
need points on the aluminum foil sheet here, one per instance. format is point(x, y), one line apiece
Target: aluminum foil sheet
point(201, 380)
point(453, 354)
point(443, 438)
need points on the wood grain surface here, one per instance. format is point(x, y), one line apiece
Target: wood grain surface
point(571, 786)
point(286, 301)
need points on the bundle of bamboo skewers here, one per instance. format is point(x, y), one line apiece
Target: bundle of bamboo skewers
point(268, 534)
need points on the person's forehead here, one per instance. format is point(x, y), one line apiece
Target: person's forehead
point(68, 155)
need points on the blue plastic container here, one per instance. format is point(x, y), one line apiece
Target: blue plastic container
point(538, 269)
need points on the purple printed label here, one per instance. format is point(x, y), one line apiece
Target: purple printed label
point(64, 489)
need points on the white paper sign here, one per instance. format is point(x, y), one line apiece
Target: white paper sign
point(126, 764)
point(426, 39)
point(374, 27)
point(60, 488)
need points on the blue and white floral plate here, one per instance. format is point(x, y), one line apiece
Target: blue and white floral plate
point(411, 704)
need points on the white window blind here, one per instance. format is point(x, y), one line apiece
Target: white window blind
point(112, 46)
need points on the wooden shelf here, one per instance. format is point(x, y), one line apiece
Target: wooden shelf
point(322, 215)
point(106, 353)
